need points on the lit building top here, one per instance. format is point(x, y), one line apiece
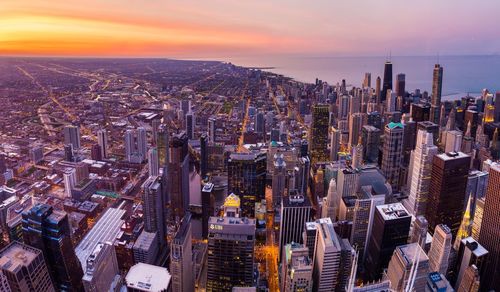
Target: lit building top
point(393, 211)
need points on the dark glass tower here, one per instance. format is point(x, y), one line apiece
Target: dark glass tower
point(437, 86)
point(387, 80)
point(49, 231)
point(391, 227)
point(178, 174)
point(445, 204)
point(247, 179)
point(318, 135)
point(203, 155)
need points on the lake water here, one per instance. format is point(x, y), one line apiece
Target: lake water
point(462, 74)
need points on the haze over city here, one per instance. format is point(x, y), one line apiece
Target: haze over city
point(224, 28)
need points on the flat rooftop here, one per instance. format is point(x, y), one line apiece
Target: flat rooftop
point(144, 277)
point(393, 211)
point(17, 255)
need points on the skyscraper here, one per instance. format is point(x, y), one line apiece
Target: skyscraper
point(203, 155)
point(470, 282)
point(72, 136)
point(231, 241)
point(334, 144)
point(190, 125)
point(391, 227)
point(211, 129)
point(392, 153)
point(295, 212)
point(247, 179)
point(278, 179)
point(370, 137)
point(470, 253)
point(387, 85)
point(400, 84)
point(405, 260)
point(24, 269)
point(356, 123)
point(445, 204)
point(437, 86)
point(163, 145)
point(178, 174)
point(440, 249)
point(318, 133)
point(181, 258)
point(49, 231)
point(153, 167)
point(297, 268)
point(102, 140)
point(154, 209)
point(490, 233)
point(102, 272)
point(136, 145)
point(332, 260)
point(421, 162)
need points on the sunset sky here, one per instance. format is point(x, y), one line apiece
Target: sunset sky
point(219, 28)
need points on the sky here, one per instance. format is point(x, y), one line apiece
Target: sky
point(232, 28)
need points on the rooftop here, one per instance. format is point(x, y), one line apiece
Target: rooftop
point(393, 211)
point(16, 255)
point(144, 277)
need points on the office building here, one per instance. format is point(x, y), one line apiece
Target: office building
point(72, 136)
point(69, 178)
point(329, 209)
point(318, 133)
point(207, 206)
point(101, 272)
point(163, 145)
point(400, 85)
point(490, 233)
point(178, 175)
point(421, 169)
point(36, 154)
point(247, 179)
point(278, 179)
point(437, 283)
point(295, 212)
point(190, 125)
point(334, 144)
point(470, 253)
point(391, 227)
point(302, 180)
point(144, 278)
point(440, 249)
point(136, 145)
point(356, 123)
point(153, 166)
point(418, 232)
point(68, 152)
point(445, 204)
point(49, 230)
point(203, 155)
point(453, 142)
point(154, 209)
point(146, 248)
point(332, 260)
point(387, 85)
point(362, 220)
point(104, 230)
point(181, 258)
point(471, 280)
point(437, 86)
point(23, 268)
point(297, 269)
point(102, 141)
point(231, 242)
point(370, 137)
point(408, 267)
point(392, 153)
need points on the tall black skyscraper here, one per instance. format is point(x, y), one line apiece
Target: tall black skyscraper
point(247, 179)
point(387, 80)
point(203, 155)
point(437, 85)
point(400, 84)
point(49, 231)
